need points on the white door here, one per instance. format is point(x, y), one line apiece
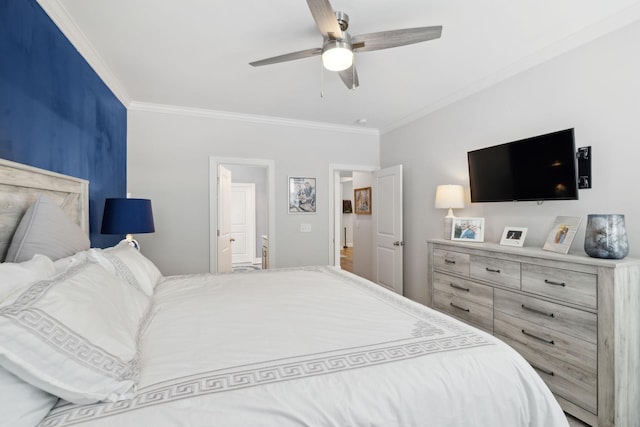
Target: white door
point(224, 220)
point(243, 222)
point(386, 211)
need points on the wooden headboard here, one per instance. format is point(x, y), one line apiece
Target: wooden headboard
point(19, 187)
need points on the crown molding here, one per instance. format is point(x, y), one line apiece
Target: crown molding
point(61, 17)
point(251, 118)
point(608, 25)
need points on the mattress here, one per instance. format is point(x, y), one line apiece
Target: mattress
point(314, 346)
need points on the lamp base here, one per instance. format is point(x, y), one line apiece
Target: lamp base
point(448, 224)
point(133, 242)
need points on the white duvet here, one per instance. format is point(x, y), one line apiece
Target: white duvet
point(315, 347)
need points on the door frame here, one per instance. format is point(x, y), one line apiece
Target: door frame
point(336, 201)
point(213, 204)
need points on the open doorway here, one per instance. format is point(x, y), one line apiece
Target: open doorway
point(241, 211)
point(349, 229)
point(377, 252)
point(346, 221)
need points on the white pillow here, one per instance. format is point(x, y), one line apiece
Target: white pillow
point(75, 335)
point(46, 229)
point(23, 405)
point(128, 263)
point(15, 275)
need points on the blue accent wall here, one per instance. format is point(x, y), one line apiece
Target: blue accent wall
point(55, 112)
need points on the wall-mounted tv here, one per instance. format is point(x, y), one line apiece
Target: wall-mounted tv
point(538, 168)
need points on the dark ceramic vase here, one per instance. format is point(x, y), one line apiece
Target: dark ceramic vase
point(606, 237)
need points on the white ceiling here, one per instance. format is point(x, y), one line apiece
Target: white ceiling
point(195, 53)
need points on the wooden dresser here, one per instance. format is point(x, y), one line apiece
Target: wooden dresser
point(575, 319)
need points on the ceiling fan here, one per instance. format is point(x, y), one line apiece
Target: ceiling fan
point(338, 46)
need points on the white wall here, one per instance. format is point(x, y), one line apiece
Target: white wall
point(595, 89)
point(168, 162)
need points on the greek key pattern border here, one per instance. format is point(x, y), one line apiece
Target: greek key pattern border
point(123, 270)
point(211, 383)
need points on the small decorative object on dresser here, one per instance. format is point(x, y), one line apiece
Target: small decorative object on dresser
point(606, 237)
point(562, 234)
point(513, 236)
point(468, 229)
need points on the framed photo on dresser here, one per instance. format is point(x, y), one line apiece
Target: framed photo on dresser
point(468, 229)
point(513, 236)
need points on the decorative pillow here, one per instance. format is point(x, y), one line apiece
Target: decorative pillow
point(23, 405)
point(128, 263)
point(15, 275)
point(46, 229)
point(75, 335)
point(63, 264)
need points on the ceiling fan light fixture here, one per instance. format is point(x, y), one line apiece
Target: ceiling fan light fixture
point(337, 55)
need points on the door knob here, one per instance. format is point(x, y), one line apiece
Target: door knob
point(398, 243)
point(232, 240)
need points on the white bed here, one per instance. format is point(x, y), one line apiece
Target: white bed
point(312, 346)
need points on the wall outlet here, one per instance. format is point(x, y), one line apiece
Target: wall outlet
point(305, 228)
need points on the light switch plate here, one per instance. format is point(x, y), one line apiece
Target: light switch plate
point(305, 228)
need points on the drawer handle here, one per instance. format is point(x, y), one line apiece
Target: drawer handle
point(462, 288)
point(529, 334)
point(458, 307)
point(535, 310)
point(492, 270)
point(449, 261)
point(551, 282)
point(543, 370)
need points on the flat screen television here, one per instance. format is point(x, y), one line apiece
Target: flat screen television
point(538, 168)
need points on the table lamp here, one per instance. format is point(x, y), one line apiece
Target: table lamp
point(449, 197)
point(127, 216)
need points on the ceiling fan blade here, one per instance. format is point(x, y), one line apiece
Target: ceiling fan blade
point(350, 77)
point(288, 57)
point(325, 18)
point(394, 38)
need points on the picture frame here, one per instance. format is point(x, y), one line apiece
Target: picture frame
point(346, 206)
point(362, 197)
point(468, 229)
point(513, 236)
point(562, 233)
point(302, 195)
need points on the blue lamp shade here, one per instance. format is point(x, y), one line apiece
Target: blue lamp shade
point(127, 216)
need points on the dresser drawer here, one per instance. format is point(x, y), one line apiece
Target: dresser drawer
point(464, 289)
point(454, 262)
point(571, 350)
point(565, 380)
point(466, 310)
point(571, 321)
point(499, 271)
point(566, 285)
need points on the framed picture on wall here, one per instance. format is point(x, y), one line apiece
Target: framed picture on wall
point(513, 236)
point(346, 206)
point(468, 229)
point(302, 195)
point(362, 196)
